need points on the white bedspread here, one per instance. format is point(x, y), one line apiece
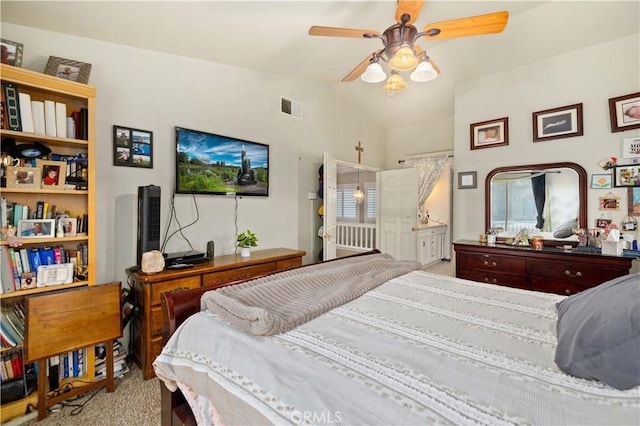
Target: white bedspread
point(419, 349)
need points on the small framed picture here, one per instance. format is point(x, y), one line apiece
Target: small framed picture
point(37, 228)
point(633, 201)
point(624, 112)
point(68, 69)
point(609, 202)
point(631, 148)
point(557, 123)
point(69, 226)
point(601, 181)
point(53, 173)
point(132, 147)
point(11, 52)
point(23, 177)
point(628, 175)
point(489, 134)
point(467, 180)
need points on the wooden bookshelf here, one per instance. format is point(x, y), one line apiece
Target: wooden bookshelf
point(77, 202)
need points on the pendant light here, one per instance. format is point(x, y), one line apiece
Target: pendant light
point(358, 195)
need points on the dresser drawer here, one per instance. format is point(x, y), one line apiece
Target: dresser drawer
point(281, 265)
point(581, 274)
point(494, 277)
point(558, 287)
point(491, 262)
point(223, 277)
point(182, 283)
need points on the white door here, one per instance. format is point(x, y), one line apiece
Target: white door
point(330, 189)
point(397, 213)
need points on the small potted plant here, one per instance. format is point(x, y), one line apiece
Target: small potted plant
point(245, 240)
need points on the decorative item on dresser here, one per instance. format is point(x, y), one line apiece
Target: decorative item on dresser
point(549, 269)
point(220, 271)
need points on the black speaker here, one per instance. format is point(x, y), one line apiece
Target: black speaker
point(148, 219)
point(210, 250)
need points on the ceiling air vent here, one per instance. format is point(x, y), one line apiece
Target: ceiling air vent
point(291, 107)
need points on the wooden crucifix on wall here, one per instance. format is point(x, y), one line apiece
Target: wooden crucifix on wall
point(360, 150)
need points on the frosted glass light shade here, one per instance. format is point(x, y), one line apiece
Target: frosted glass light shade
point(424, 72)
point(373, 73)
point(395, 84)
point(358, 196)
point(404, 59)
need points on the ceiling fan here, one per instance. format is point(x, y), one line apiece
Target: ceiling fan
point(400, 50)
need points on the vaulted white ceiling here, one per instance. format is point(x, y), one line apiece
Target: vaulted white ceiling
point(271, 36)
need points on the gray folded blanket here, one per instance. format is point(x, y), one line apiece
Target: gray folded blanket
point(280, 302)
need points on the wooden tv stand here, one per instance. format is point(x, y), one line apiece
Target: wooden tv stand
point(222, 270)
point(551, 269)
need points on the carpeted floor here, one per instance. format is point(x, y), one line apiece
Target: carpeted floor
point(135, 401)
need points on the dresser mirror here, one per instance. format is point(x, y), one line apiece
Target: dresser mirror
point(547, 200)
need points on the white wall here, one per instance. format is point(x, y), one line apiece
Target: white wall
point(590, 76)
point(153, 91)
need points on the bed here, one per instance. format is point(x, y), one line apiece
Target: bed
point(417, 349)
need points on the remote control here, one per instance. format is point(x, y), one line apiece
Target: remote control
point(180, 266)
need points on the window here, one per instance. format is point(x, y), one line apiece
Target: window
point(346, 208)
point(370, 202)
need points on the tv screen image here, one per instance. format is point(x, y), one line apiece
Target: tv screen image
point(220, 165)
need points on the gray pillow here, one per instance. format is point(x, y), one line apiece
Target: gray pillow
point(599, 333)
point(566, 229)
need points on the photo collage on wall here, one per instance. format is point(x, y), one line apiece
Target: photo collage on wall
point(132, 147)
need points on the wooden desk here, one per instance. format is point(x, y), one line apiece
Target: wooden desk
point(147, 325)
point(550, 270)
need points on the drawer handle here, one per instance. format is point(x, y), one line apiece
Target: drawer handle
point(569, 274)
point(486, 263)
point(493, 281)
point(567, 292)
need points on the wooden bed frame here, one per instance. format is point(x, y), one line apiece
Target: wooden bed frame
point(177, 307)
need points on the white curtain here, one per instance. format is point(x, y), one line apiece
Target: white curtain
point(429, 171)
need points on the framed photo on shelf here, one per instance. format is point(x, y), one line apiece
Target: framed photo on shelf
point(132, 147)
point(23, 177)
point(37, 228)
point(633, 201)
point(69, 226)
point(467, 180)
point(557, 123)
point(11, 52)
point(489, 134)
point(624, 112)
point(601, 181)
point(628, 175)
point(68, 69)
point(53, 173)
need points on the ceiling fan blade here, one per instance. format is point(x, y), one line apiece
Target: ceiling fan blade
point(411, 8)
point(317, 30)
point(474, 25)
point(358, 70)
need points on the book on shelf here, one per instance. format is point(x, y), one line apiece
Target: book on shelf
point(61, 120)
point(37, 111)
point(50, 118)
point(26, 117)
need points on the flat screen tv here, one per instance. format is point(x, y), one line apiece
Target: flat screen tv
point(220, 165)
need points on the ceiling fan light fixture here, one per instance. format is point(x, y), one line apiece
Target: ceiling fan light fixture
point(374, 73)
point(404, 59)
point(394, 84)
point(423, 72)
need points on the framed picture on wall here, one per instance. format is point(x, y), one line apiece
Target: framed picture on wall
point(467, 180)
point(601, 181)
point(624, 112)
point(627, 175)
point(132, 147)
point(489, 134)
point(630, 148)
point(633, 201)
point(557, 123)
